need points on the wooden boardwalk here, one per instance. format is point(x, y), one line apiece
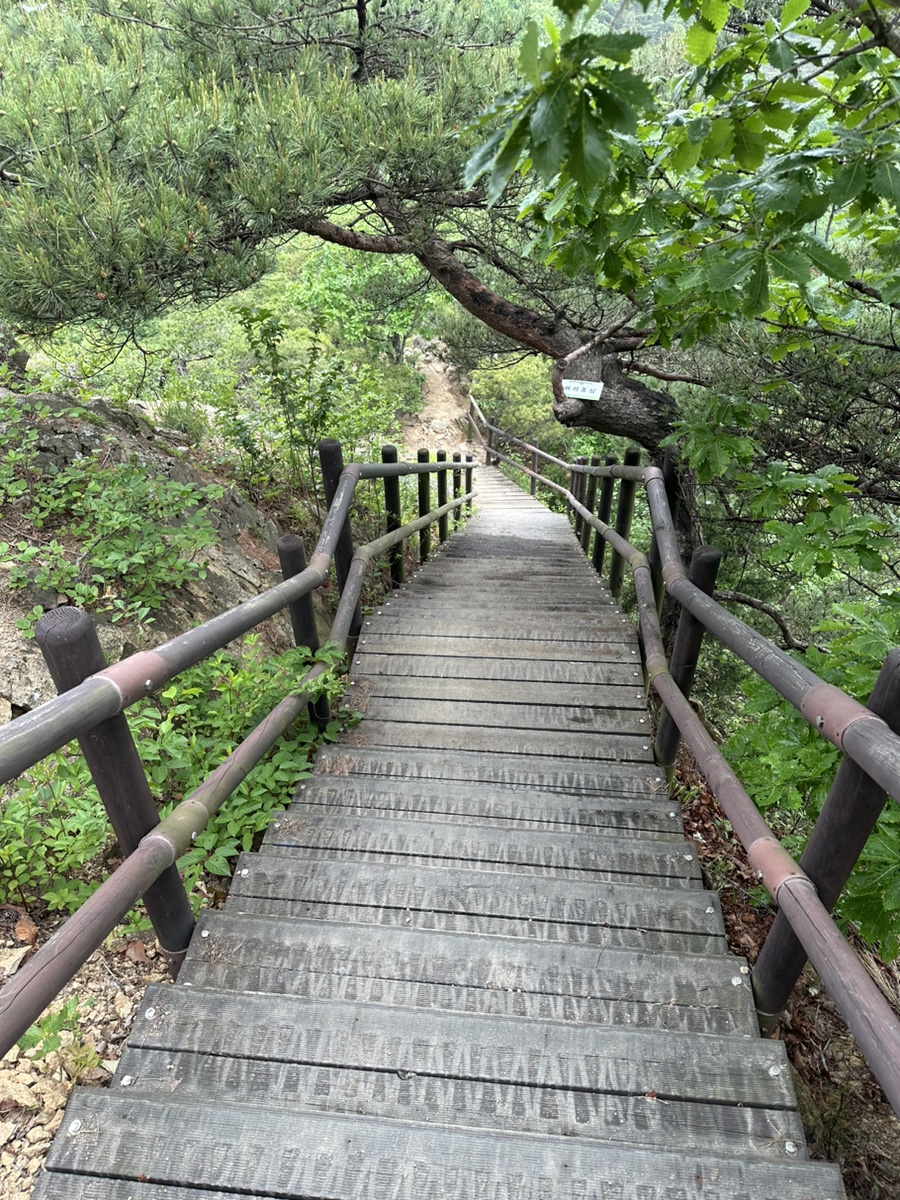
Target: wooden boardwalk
point(474, 960)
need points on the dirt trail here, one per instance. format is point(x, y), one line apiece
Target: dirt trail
point(441, 423)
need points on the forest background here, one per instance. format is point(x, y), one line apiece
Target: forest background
point(242, 214)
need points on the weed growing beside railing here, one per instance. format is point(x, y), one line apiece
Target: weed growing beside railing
point(55, 840)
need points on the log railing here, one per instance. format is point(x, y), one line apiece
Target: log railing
point(94, 697)
point(867, 734)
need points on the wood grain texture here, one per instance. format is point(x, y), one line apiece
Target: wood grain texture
point(479, 804)
point(268, 1152)
point(538, 772)
point(477, 1103)
point(295, 948)
point(663, 863)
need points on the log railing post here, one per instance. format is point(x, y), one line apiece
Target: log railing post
point(442, 496)
point(393, 516)
point(848, 816)
point(624, 513)
point(424, 479)
point(534, 467)
point(332, 463)
point(604, 508)
point(457, 485)
point(292, 556)
point(686, 651)
point(470, 464)
point(670, 478)
point(70, 646)
point(590, 499)
point(577, 489)
point(488, 456)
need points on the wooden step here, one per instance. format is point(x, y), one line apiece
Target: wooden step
point(268, 1152)
point(701, 992)
point(583, 856)
point(458, 899)
point(538, 772)
point(467, 1069)
point(483, 804)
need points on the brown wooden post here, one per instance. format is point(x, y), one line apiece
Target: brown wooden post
point(604, 508)
point(848, 816)
point(442, 496)
point(488, 456)
point(457, 485)
point(670, 477)
point(424, 481)
point(624, 513)
point(590, 499)
point(70, 646)
point(686, 651)
point(393, 516)
point(577, 490)
point(292, 556)
point(332, 462)
point(534, 467)
point(470, 463)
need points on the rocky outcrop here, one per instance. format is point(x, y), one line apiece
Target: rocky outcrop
point(242, 563)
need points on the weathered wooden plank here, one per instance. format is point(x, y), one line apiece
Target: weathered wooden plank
point(458, 899)
point(539, 670)
point(616, 746)
point(489, 647)
point(448, 621)
point(668, 863)
point(467, 691)
point(585, 718)
point(268, 1152)
point(479, 805)
point(703, 1015)
point(474, 1103)
point(683, 1066)
point(539, 773)
point(294, 947)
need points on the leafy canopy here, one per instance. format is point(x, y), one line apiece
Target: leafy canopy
point(763, 181)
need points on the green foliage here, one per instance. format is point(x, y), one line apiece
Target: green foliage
point(788, 767)
point(742, 187)
point(75, 1055)
point(109, 537)
point(54, 833)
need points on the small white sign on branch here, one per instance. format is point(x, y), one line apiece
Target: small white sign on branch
point(582, 389)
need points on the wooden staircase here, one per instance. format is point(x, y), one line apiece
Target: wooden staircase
point(474, 960)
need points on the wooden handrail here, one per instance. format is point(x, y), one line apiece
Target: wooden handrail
point(42, 977)
point(861, 733)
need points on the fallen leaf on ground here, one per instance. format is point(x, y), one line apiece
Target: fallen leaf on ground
point(26, 930)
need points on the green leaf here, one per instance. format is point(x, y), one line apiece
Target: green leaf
point(529, 62)
point(551, 111)
point(756, 299)
point(829, 262)
point(589, 159)
point(749, 147)
point(780, 55)
point(790, 262)
point(850, 180)
point(715, 12)
point(617, 47)
point(699, 43)
point(722, 272)
point(721, 138)
point(793, 10)
point(886, 180)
